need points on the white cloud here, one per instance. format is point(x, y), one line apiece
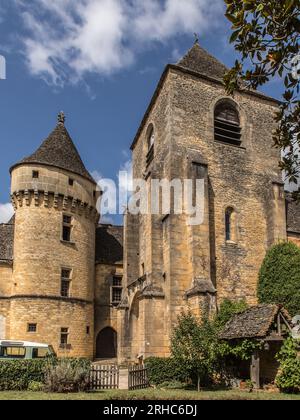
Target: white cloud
point(126, 181)
point(67, 39)
point(6, 212)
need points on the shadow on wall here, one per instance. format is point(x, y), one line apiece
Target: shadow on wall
point(2, 327)
point(109, 244)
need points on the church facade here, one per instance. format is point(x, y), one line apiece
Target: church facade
point(112, 292)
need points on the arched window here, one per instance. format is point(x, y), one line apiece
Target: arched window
point(150, 144)
point(151, 137)
point(227, 123)
point(230, 225)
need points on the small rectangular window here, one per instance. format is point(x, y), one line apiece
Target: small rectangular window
point(64, 337)
point(88, 330)
point(65, 282)
point(117, 290)
point(71, 182)
point(35, 174)
point(31, 328)
point(67, 228)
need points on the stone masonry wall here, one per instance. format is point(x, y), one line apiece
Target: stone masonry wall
point(40, 254)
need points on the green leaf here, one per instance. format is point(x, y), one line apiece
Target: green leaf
point(230, 17)
point(234, 36)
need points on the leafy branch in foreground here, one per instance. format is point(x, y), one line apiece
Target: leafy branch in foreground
point(266, 34)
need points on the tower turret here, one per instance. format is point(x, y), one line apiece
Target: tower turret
point(54, 197)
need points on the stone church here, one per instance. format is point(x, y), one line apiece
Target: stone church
point(113, 292)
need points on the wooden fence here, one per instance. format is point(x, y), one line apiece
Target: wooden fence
point(104, 377)
point(137, 378)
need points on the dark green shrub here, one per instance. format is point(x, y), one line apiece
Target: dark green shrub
point(161, 370)
point(20, 375)
point(227, 310)
point(288, 378)
point(67, 375)
point(279, 277)
point(16, 375)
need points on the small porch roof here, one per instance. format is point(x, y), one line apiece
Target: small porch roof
point(255, 322)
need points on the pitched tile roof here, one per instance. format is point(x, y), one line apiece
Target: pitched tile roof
point(7, 241)
point(199, 60)
point(58, 150)
point(255, 322)
point(293, 214)
point(109, 244)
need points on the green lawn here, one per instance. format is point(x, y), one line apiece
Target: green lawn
point(150, 394)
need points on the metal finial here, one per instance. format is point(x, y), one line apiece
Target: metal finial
point(196, 38)
point(61, 118)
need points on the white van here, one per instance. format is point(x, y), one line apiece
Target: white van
point(10, 349)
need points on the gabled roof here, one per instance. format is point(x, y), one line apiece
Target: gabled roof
point(109, 244)
point(7, 241)
point(293, 214)
point(200, 61)
point(58, 150)
point(254, 322)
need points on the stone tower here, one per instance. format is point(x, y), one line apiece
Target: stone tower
point(193, 130)
point(52, 294)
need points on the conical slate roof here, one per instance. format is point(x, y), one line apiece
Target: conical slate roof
point(199, 60)
point(58, 150)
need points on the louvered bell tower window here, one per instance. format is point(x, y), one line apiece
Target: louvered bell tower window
point(227, 124)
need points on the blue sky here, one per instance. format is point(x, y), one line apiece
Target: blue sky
point(99, 61)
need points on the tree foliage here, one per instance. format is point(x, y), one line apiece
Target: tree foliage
point(266, 34)
point(288, 378)
point(198, 350)
point(279, 277)
point(194, 346)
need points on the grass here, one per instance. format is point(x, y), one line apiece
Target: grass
point(150, 394)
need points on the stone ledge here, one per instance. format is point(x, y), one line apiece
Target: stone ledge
point(43, 297)
point(201, 286)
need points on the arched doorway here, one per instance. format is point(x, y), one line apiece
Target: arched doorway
point(106, 344)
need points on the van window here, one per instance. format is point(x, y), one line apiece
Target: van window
point(40, 353)
point(13, 352)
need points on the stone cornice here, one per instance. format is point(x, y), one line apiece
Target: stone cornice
point(44, 297)
point(49, 199)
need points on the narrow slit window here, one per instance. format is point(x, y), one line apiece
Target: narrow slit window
point(230, 225)
point(150, 144)
point(67, 228)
